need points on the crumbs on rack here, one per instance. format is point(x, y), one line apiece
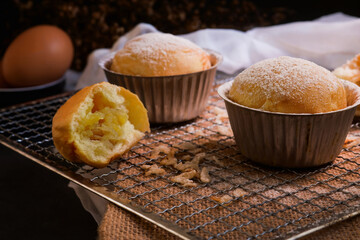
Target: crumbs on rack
point(187, 164)
point(237, 193)
point(196, 131)
point(153, 169)
point(224, 130)
point(351, 141)
point(185, 178)
point(204, 175)
point(220, 115)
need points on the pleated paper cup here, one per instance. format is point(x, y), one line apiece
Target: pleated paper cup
point(168, 99)
point(290, 140)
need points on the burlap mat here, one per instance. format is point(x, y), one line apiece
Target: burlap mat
point(120, 224)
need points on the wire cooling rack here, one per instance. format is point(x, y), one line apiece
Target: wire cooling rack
point(243, 200)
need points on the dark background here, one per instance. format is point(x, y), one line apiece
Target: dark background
point(97, 24)
point(36, 203)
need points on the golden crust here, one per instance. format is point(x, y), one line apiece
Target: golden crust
point(66, 123)
point(350, 70)
point(288, 85)
point(160, 54)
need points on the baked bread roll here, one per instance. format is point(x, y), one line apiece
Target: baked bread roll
point(288, 85)
point(160, 54)
point(98, 124)
point(350, 70)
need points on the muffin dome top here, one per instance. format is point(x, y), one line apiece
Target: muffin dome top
point(288, 85)
point(160, 54)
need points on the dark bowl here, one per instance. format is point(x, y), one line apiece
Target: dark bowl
point(12, 96)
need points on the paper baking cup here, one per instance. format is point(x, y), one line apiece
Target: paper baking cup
point(290, 140)
point(168, 99)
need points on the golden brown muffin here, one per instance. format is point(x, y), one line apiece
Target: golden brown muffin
point(98, 124)
point(288, 85)
point(160, 54)
point(350, 70)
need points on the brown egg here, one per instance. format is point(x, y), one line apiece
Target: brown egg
point(37, 56)
point(3, 84)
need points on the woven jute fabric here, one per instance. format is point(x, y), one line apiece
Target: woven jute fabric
point(121, 224)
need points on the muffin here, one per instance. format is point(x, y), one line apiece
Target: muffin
point(98, 124)
point(350, 71)
point(289, 112)
point(172, 76)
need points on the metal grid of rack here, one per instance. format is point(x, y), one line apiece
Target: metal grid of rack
point(242, 200)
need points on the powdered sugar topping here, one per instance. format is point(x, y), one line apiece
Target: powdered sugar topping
point(158, 45)
point(286, 69)
point(277, 82)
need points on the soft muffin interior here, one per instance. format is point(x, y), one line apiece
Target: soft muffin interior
point(102, 126)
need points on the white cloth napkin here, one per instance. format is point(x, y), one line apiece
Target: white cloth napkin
point(328, 41)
